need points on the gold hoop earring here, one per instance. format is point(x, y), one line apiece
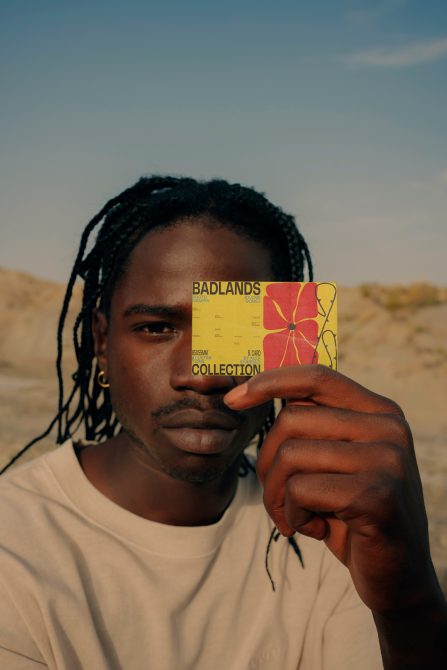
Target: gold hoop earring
point(102, 381)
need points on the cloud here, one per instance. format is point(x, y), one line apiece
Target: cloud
point(415, 53)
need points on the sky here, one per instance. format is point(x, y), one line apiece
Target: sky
point(336, 110)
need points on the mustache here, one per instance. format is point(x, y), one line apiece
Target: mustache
point(214, 403)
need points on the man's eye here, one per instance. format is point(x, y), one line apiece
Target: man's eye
point(156, 328)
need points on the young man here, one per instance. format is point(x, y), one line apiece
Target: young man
point(144, 546)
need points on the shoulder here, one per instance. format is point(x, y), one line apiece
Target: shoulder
point(28, 487)
point(32, 470)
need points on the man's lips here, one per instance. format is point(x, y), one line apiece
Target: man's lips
point(205, 420)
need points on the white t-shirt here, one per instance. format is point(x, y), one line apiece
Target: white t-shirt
point(86, 584)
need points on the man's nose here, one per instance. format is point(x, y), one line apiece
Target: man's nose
point(183, 379)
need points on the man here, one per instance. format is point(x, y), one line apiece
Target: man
point(145, 545)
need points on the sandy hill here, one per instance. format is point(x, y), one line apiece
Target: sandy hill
point(392, 339)
point(29, 311)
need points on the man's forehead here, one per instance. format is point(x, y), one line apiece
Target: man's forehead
point(192, 252)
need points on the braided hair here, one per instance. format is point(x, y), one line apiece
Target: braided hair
point(155, 202)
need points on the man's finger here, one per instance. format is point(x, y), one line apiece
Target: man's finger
point(309, 382)
point(357, 500)
point(321, 457)
point(332, 425)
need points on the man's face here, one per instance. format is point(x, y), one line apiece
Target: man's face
point(174, 421)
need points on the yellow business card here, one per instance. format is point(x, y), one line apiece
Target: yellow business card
point(245, 327)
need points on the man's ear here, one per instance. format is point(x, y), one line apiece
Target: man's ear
point(99, 332)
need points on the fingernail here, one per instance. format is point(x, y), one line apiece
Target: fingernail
point(235, 394)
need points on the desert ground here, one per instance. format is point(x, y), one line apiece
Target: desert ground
point(392, 339)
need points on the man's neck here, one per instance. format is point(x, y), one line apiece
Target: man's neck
point(125, 477)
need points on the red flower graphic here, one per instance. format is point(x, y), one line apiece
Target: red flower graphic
point(290, 310)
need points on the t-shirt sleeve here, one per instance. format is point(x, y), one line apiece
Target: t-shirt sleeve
point(17, 648)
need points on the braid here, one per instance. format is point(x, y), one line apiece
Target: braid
point(274, 534)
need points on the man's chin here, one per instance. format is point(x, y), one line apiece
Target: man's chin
point(189, 467)
point(201, 474)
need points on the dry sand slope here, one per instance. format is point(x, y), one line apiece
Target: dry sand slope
point(391, 340)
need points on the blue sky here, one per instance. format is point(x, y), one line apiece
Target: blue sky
point(335, 109)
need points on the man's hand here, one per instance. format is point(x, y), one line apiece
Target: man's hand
point(339, 465)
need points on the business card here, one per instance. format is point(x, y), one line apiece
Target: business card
point(245, 327)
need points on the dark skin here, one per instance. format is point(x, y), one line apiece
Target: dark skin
point(178, 475)
point(338, 465)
